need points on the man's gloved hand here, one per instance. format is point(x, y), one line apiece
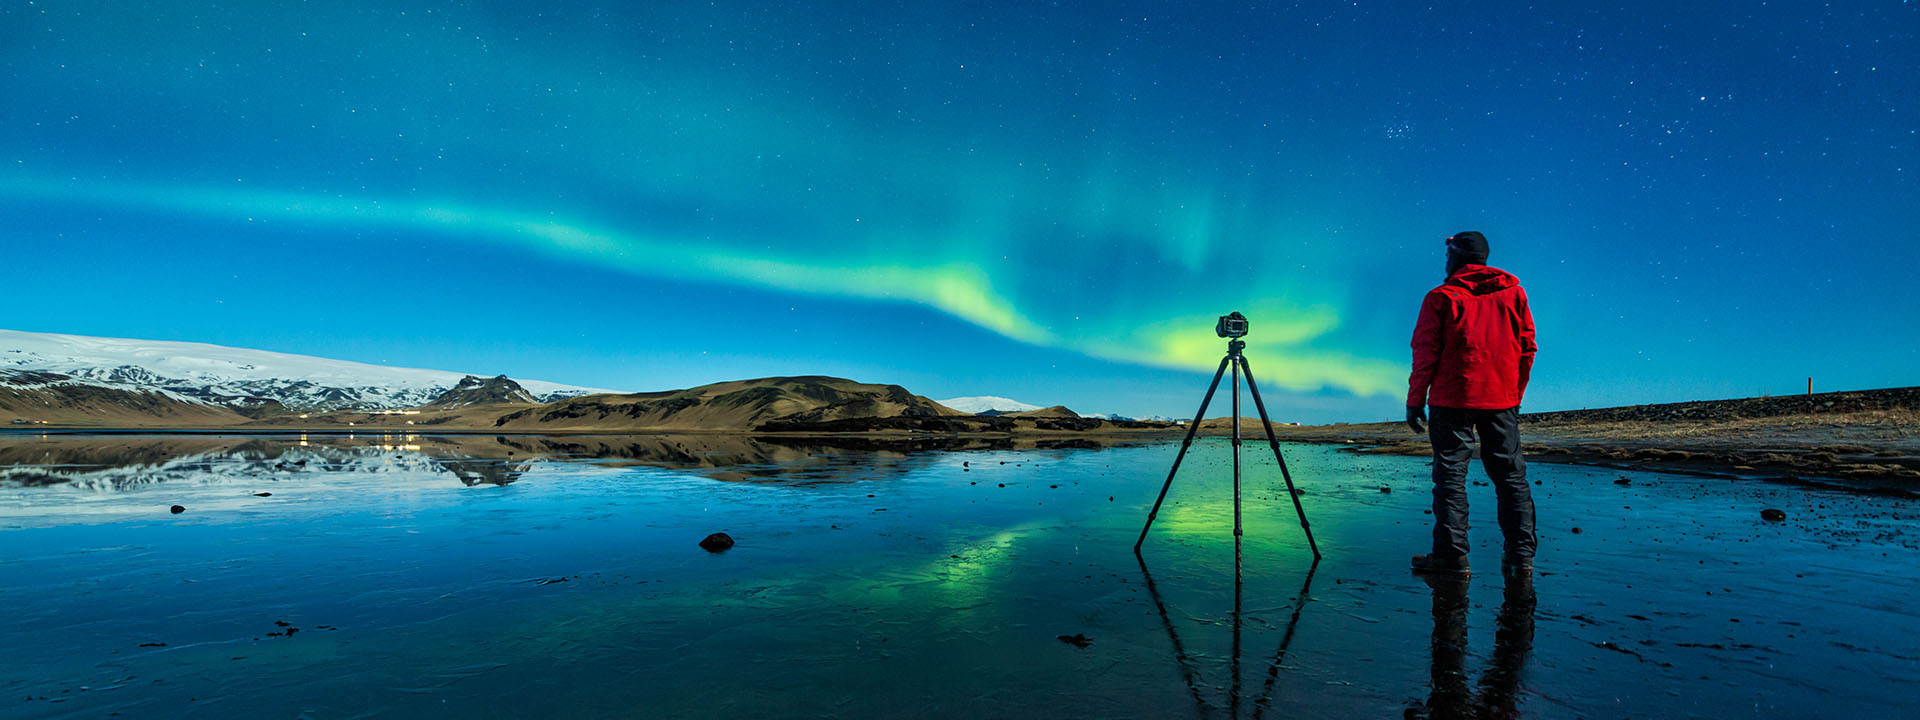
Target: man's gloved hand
point(1416, 416)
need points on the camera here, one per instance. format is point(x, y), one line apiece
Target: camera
point(1231, 326)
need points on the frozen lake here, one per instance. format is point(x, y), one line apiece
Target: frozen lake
point(407, 576)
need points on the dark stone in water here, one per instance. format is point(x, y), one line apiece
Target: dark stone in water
point(263, 494)
point(1623, 480)
point(1576, 531)
point(1385, 489)
point(717, 542)
point(1774, 514)
point(1076, 640)
point(177, 509)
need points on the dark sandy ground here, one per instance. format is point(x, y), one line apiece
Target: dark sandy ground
point(1868, 440)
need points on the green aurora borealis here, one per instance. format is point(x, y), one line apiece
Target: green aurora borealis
point(1094, 182)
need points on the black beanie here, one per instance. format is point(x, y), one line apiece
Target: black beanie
point(1471, 246)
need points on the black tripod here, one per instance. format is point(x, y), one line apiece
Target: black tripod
point(1239, 363)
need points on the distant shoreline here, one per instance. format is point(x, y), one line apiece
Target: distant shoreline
point(1862, 440)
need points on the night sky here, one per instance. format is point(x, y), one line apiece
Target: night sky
point(1049, 202)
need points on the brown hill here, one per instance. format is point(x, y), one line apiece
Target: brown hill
point(735, 405)
point(1057, 411)
point(472, 390)
point(30, 397)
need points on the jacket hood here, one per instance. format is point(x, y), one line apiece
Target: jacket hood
point(1482, 279)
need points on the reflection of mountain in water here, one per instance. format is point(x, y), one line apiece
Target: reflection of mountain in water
point(110, 463)
point(485, 472)
point(117, 462)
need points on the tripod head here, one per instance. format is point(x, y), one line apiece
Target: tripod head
point(1234, 347)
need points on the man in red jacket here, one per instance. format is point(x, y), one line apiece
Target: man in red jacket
point(1472, 353)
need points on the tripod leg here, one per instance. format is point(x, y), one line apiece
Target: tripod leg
point(1274, 442)
point(1236, 449)
point(1233, 703)
point(1184, 444)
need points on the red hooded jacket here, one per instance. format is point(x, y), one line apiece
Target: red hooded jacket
point(1473, 344)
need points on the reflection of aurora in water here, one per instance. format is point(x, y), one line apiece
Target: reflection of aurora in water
point(916, 585)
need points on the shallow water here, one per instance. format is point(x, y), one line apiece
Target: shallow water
point(412, 576)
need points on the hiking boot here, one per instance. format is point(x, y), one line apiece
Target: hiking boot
point(1440, 565)
point(1512, 564)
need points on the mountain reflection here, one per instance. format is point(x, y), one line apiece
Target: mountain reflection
point(121, 461)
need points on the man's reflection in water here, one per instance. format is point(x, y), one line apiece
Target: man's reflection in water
point(1512, 640)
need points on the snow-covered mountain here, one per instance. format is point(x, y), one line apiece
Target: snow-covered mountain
point(1148, 418)
point(987, 404)
point(237, 377)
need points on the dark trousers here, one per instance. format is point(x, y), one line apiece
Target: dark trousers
point(1451, 430)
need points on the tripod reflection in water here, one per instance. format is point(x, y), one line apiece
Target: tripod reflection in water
point(1187, 671)
point(1512, 640)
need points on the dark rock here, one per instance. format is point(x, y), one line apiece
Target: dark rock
point(1773, 514)
point(263, 494)
point(717, 542)
point(1385, 489)
point(177, 509)
point(1076, 640)
point(1576, 531)
point(1623, 480)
